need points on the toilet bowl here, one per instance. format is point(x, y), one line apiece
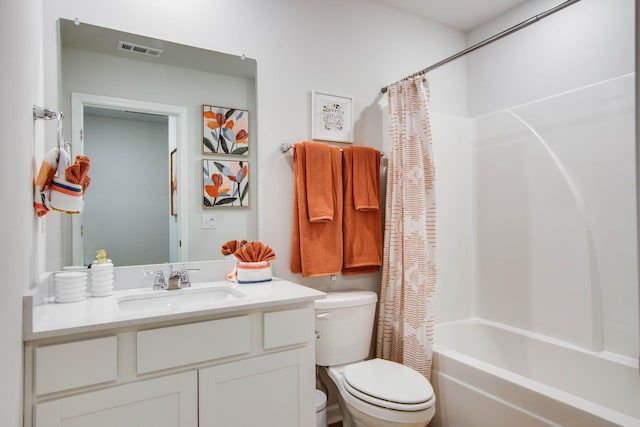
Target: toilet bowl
point(374, 392)
point(374, 399)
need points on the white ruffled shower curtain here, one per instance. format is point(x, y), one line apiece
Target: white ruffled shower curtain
point(406, 312)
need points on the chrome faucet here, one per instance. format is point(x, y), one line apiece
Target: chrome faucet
point(178, 279)
point(174, 280)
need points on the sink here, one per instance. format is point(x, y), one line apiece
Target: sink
point(195, 298)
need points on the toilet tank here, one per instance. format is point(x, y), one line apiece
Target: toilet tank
point(344, 322)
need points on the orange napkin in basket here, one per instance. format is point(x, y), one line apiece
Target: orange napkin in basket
point(231, 246)
point(78, 173)
point(255, 252)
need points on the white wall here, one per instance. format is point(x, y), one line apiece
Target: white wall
point(588, 42)
point(300, 46)
point(21, 88)
point(554, 222)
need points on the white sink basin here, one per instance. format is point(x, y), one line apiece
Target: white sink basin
point(196, 298)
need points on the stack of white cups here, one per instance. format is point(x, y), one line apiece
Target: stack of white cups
point(70, 286)
point(102, 279)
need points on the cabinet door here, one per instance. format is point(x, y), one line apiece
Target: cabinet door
point(170, 401)
point(272, 390)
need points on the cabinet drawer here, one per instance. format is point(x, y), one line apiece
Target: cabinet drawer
point(180, 345)
point(76, 364)
point(288, 327)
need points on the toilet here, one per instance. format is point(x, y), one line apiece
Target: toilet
point(375, 392)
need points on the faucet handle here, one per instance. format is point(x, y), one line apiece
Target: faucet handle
point(159, 281)
point(184, 276)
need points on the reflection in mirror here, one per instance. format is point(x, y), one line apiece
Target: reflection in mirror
point(137, 206)
point(129, 111)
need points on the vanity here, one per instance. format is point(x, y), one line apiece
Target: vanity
point(215, 354)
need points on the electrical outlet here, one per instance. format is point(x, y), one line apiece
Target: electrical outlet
point(208, 221)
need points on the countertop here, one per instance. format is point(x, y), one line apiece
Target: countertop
point(95, 314)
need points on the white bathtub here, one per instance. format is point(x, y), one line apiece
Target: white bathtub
point(488, 374)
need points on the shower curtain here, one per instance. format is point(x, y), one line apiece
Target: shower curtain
point(406, 311)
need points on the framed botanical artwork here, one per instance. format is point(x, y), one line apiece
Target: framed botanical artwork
point(225, 130)
point(331, 117)
point(225, 183)
point(173, 170)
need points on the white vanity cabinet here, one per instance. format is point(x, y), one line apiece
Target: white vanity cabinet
point(249, 368)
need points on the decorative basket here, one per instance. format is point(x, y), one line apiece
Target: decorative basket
point(66, 197)
point(253, 272)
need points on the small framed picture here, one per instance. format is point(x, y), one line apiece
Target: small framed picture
point(331, 117)
point(225, 183)
point(225, 130)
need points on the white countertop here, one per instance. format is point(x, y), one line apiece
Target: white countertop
point(95, 314)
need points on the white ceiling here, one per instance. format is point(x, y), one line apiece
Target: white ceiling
point(462, 15)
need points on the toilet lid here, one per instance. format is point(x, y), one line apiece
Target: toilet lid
point(388, 384)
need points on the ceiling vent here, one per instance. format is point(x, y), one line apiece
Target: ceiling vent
point(136, 48)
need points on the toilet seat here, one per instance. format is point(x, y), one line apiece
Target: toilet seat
point(388, 384)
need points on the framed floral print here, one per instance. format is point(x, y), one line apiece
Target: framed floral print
point(225, 130)
point(331, 117)
point(225, 183)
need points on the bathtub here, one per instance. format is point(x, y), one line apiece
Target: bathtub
point(489, 374)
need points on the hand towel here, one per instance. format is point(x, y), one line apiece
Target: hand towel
point(366, 178)
point(316, 247)
point(319, 189)
point(361, 228)
point(42, 189)
point(231, 246)
point(78, 173)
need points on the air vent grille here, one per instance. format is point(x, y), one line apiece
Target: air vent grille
point(136, 48)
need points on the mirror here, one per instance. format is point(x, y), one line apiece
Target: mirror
point(137, 113)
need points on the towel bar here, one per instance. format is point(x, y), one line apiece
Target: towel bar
point(284, 147)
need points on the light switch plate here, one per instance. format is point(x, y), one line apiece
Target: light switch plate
point(208, 221)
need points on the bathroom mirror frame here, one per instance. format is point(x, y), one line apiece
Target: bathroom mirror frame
point(174, 112)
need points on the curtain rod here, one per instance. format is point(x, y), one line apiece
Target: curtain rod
point(491, 39)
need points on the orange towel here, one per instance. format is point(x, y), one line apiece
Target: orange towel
point(316, 247)
point(318, 182)
point(361, 228)
point(366, 178)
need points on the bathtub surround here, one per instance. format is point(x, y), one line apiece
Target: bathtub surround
point(549, 232)
point(406, 312)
